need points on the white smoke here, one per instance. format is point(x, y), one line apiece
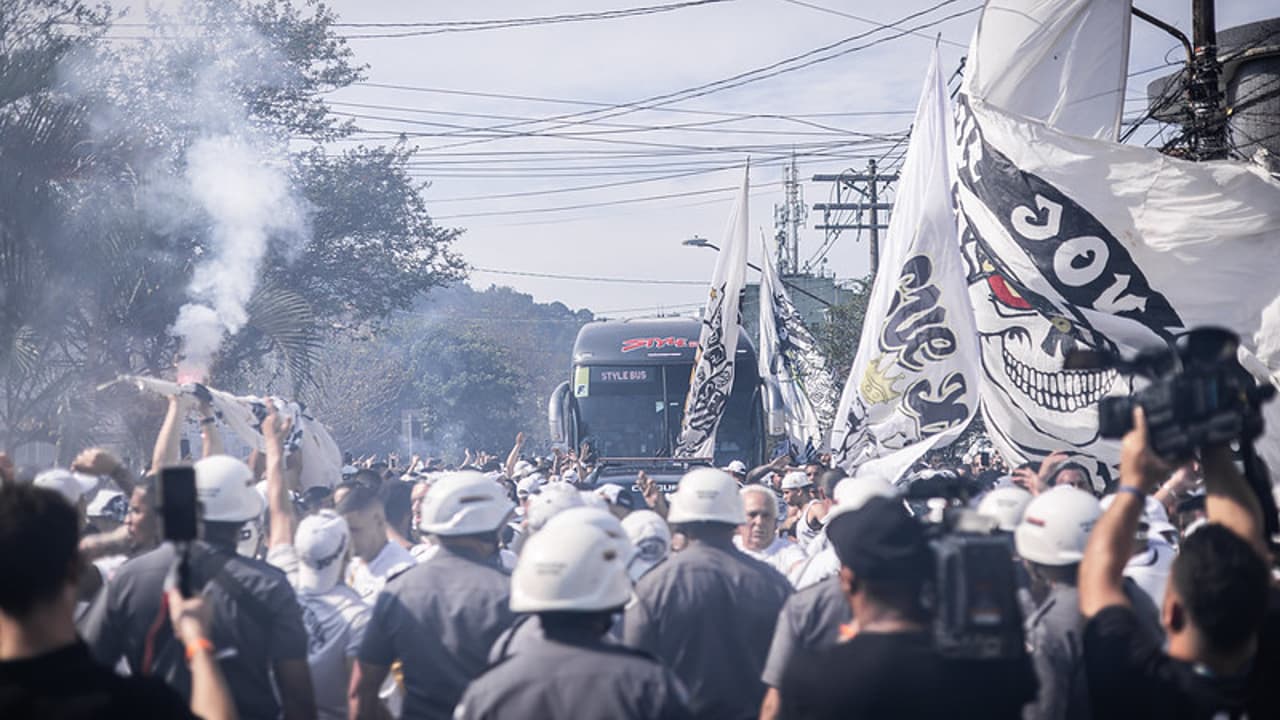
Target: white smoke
point(249, 200)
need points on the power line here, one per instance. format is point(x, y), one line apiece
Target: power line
point(761, 73)
point(859, 18)
point(587, 278)
point(581, 206)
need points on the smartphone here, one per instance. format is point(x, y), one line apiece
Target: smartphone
point(177, 501)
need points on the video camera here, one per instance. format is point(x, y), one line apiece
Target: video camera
point(1199, 395)
point(973, 592)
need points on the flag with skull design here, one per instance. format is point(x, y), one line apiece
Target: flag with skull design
point(1073, 240)
point(912, 385)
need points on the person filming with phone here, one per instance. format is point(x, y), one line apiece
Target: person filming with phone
point(48, 672)
point(256, 630)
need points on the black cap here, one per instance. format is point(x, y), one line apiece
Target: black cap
point(880, 541)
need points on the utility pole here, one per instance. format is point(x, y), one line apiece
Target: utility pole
point(851, 189)
point(1209, 140)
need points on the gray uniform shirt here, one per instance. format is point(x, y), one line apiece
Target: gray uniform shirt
point(574, 677)
point(708, 613)
point(256, 622)
point(439, 618)
point(1055, 633)
point(810, 620)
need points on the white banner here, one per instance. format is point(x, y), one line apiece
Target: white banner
point(1076, 241)
point(712, 378)
point(789, 358)
point(243, 415)
point(913, 382)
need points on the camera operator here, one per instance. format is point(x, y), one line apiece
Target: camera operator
point(45, 670)
point(1223, 633)
point(890, 666)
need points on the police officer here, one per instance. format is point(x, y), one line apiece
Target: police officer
point(257, 624)
point(440, 617)
point(709, 611)
point(573, 575)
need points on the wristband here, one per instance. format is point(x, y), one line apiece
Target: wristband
point(197, 645)
point(1136, 492)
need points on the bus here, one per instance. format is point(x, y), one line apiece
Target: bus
point(627, 392)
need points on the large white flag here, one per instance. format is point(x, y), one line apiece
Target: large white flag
point(1074, 240)
point(789, 358)
point(712, 378)
point(912, 385)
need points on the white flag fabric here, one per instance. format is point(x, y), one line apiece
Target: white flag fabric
point(913, 382)
point(1075, 241)
point(788, 357)
point(243, 415)
point(712, 376)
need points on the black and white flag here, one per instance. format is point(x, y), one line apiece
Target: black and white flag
point(913, 382)
point(712, 378)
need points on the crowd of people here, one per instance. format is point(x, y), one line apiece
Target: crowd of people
point(528, 587)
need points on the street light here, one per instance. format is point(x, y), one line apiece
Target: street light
point(701, 242)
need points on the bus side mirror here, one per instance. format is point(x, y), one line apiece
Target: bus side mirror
point(556, 413)
point(775, 410)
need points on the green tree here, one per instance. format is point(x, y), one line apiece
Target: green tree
point(838, 337)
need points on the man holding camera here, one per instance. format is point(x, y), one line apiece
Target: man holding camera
point(888, 665)
point(1222, 626)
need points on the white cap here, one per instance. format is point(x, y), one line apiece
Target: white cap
point(1005, 505)
point(349, 470)
point(68, 484)
point(706, 495)
point(1056, 525)
point(464, 503)
point(571, 566)
point(549, 500)
point(650, 541)
point(592, 499)
point(795, 480)
point(322, 542)
point(224, 485)
point(108, 504)
point(736, 467)
point(852, 493)
point(521, 468)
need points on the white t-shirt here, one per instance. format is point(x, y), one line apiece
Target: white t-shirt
point(817, 568)
point(335, 621)
point(367, 579)
point(783, 555)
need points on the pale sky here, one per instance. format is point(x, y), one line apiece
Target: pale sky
point(831, 107)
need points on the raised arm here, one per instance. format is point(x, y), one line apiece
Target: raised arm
point(275, 429)
point(210, 698)
point(514, 456)
point(168, 443)
point(1229, 500)
point(99, 461)
point(1111, 543)
point(210, 438)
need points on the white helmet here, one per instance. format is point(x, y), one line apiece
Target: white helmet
point(571, 566)
point(1005, 505)
point(599, 517)
point(225, 487)
point(650, 541)
point(854, 492)
point(706, 495)
point(1055, 526)
point(464, 503)
point(549, 500)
